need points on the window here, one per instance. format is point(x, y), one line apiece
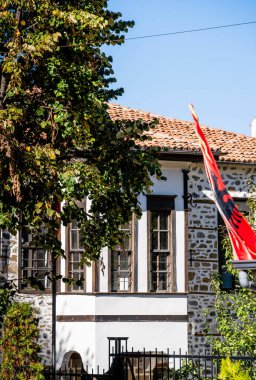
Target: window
point(160, 260)
point(228, 281)
point(122, 262)
point(76, 270)
point(35, 261)
point(161, 243)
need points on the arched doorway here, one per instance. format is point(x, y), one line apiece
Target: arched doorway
point(72, 361)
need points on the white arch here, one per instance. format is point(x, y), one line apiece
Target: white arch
point(66, 359)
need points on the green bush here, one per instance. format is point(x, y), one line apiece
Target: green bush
point(19, 344)
point(232, 371)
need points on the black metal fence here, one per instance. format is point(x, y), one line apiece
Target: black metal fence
point(76, 374)
point(155, 365)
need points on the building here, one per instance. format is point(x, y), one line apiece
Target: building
point(155, 291)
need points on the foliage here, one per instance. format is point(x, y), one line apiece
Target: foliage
point(235, 310)
point(188, 369)
point(57, 140)
point(7, 292)
point(235, 320)
point(230, 370)
point(20, 359)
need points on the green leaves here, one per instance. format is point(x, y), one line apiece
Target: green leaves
point(232, 370)
point(19, 344)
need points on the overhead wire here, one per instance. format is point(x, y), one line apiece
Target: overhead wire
point(191, 30)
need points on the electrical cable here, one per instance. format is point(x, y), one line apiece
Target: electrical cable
point(191, 30)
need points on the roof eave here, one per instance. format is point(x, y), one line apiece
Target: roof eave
point(184, 155)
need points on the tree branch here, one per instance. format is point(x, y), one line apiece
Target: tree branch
point(2, 90)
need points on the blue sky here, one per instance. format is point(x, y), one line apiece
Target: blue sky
point(215, 70)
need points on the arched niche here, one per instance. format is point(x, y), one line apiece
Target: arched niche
point(72, 360)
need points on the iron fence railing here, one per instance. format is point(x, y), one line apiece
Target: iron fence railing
point(157, 365)
point(76, 374)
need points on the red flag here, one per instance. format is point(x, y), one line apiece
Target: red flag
point(242, 236)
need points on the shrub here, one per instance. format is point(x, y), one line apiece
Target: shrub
point(19, 344)
point(232, 371)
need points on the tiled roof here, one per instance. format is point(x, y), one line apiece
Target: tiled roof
point(176, 135)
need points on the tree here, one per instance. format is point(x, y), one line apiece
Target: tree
point(19, 344)
point(57, 141)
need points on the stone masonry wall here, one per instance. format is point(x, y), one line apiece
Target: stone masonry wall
point(42, 305)
point(203, 246)
point(9, 256)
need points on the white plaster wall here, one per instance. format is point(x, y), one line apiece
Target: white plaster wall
point(180, 251)
point(141, 305)
point(76, 336)
point(122, 305)
point(142, 248)
point(90, 339)
point(75, 304)
point(88, 279)
point(172, 186)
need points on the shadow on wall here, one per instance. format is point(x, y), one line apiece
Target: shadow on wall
point(70, 355)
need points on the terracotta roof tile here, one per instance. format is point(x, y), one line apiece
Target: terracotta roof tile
point(179, 135)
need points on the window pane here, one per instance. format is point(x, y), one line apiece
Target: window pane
point(76, 256)
point(154, 220)
point(163, 240)
point(24, 236)
point(24, 257)
point(74, 239)
point(40, 254)
point(154, 281)
point(162, 261)
point(114, 260)
point(123, 261)
point(80, 235)
point(162, 281)
point(124, 281)
point(154, 264)
point(127, 243)
point(155, 240)
point(164, 220)
point(76, 266)
point(114, 281)
point(76, 278)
